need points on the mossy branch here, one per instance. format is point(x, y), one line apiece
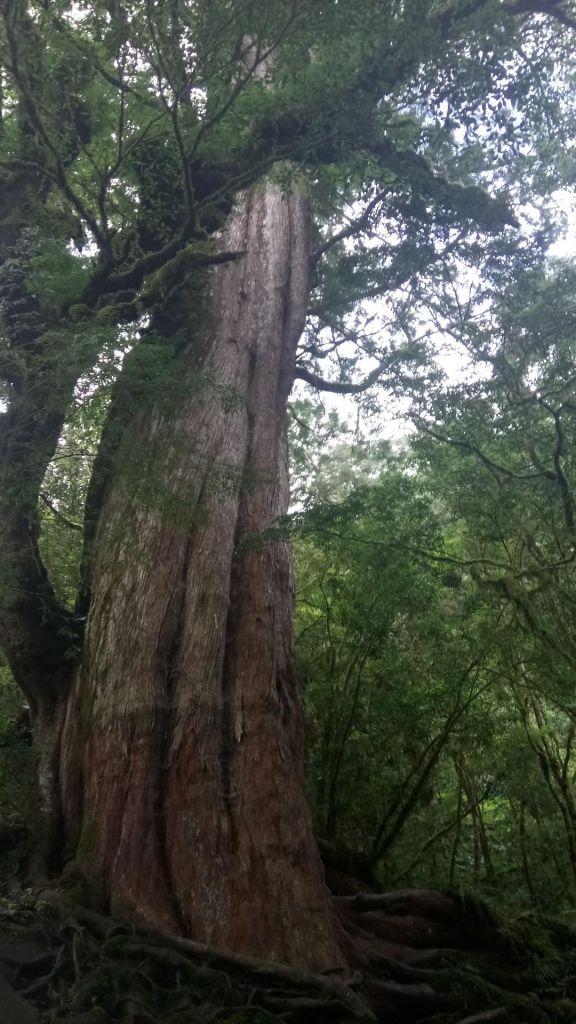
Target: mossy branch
point(127, 304)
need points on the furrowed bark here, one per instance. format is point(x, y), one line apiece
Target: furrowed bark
point(186, 714)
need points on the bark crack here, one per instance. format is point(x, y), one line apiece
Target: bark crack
point(286, 367)
point(167, 721)
point(229, 739)
point(228, 733)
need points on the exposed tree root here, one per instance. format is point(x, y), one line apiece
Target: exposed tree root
point(68, 965)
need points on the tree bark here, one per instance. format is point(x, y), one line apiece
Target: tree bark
point(182, 760)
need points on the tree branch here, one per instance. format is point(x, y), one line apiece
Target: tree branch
point(340, 388)
point(60, 515)
point(26, 92)
point(559, 476)
point(551, 8)
point(347, 232)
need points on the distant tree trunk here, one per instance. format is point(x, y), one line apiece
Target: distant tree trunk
point(459, 821)
point(37, 633)
point(524, 853)
point(481, 844)
point(182, 777)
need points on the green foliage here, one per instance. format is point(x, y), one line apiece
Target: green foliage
point(436, 620)
point(436, 623)
point(380, 685)
point(57, 276)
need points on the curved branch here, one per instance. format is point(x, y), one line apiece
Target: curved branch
point(60, 515)
point(497, 467)
point(339, 388)
point(347, 232)
point(551, 8)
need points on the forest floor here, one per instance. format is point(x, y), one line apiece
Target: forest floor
point(416, 956)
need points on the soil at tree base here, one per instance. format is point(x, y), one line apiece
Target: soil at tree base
point(416, 957)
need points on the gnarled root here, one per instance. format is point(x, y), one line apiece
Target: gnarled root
point(414, 956)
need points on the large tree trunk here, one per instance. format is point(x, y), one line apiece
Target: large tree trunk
point(189, 809)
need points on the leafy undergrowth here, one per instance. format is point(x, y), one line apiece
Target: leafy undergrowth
point(418, 957)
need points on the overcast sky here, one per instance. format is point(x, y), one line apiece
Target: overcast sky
point(394, 423)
